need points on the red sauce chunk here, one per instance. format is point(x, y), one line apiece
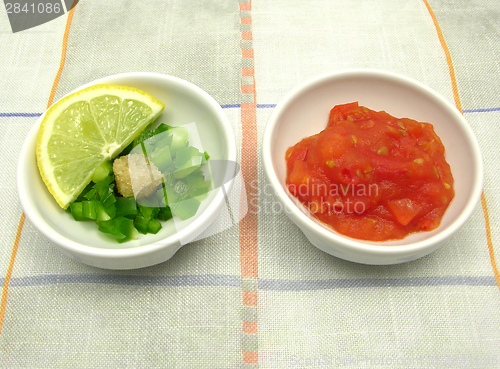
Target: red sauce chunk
point(372, 176)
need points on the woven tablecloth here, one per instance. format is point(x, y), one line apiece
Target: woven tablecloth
point(258, 294)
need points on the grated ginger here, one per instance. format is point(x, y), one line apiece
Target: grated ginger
point(136, 176)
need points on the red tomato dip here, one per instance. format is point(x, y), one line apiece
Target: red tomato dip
point(372, 176)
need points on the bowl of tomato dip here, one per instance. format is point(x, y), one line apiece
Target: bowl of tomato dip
point(372, 166)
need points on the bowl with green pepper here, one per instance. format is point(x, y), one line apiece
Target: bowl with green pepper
point(160, 193)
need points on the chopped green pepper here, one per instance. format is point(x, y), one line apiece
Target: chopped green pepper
point(123, 218)
point(102, 171)
point(187, 208)
point(141, 224)
point(154, 226)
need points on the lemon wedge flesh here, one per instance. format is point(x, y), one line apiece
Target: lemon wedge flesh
point(87, 128)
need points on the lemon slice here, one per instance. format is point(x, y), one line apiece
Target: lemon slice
point(86, 128)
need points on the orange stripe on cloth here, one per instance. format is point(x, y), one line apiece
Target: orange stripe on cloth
point(247, 72)
point(246, 36)
point(459, 107)
point(488, 239)
point(249, 298)
point(63, 55)
point(454, 85)
point(250, 357)
point(249, 161)
point(247, 89)
point(8, 275)
point(249, 327)
point(245, 6)
point(5, 289)
point(247, 53)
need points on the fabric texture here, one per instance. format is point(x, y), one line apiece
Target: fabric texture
point(258, 294)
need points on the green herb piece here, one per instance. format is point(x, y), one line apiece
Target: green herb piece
point(170, 197)
point(76, 211)
point(122, 229)
point(148, 212)
point(146, 148)
point(110, 210)
point(112, 228)
point(195, 177)
point(163, 141)
point(152, 201)
point(91, 195)
point(199, 188)
point(187, 208)
point(164, 214)
point(183, 156)
point(101, 212)
point(105, 188)
point(109, 199)
point(141, 224)
point(154, 226)
point(126, 206)
point(145, 135)
point(149, 134)
point(161, 158)
point(89, 209)
point(89, 187)
point(188, 168)
point(102, 171)
point(179, 139)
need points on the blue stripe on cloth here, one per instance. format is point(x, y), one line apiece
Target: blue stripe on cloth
point(212, 280)
point(328, 284)
point(272, 106)
point(128, 280)
point(230, 106)
point(29, 115)
point(485, 110)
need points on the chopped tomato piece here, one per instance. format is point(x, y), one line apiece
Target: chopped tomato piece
point(404, 210)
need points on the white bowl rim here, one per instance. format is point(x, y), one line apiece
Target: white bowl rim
point(367, 247)
point(204, 219)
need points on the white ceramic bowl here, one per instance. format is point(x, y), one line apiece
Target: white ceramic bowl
point(304, 112)
point(185, 103)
